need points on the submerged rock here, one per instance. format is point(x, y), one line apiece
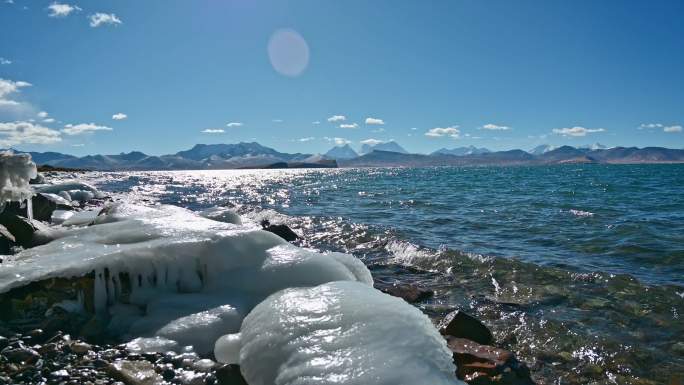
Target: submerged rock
point(481, 364)
point(7, 240)
point(283, 231)
point(462, 325)
point(410, 293)
point(135, 372)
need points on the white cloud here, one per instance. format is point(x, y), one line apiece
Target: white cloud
point(234, 124)
point(43, 114)
point(8, 87)
point(84, 128)
point(307, 139)
point(437, 132)
point(414, 128)
point(277, 120)
point(371, 142)
point(495, 127)
point(377, 130)
point(645, 126)
point(375, 121)
point(576, 131)
point(119, 116)
point(675, 128)
point(316, 122)
point(337, 118)
point(13, 133)
point(99, 19)
point(353, 125)
point(214, 131)
point(4, 61)
point(338, 141)
point(48, 120)
point(61, 10)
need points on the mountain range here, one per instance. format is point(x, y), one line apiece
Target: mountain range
point(387, 154)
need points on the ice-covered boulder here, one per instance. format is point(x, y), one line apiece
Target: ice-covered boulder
point(16, 170)
point(339, 332)
point(222, 214)
point(73, 191)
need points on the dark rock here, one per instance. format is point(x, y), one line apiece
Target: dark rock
point(462, 325)
point(410, 293)
point(3, 342)
point(7, 240)
point(283, 231)
point(21, 355)
point(482, 364)
point(229, 374)
point(45, 204)
point(39, 179)
point(25, 231)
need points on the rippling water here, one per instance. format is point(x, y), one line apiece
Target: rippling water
point(577, 268)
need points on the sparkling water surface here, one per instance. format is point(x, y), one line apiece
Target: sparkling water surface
point(577, 268)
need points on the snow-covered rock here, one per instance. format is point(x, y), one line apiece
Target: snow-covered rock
point(342, 333)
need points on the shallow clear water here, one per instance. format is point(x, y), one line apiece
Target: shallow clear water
point(577, 268)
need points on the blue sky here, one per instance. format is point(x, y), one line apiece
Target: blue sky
point(497, 74)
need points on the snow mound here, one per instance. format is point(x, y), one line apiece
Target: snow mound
point(342, 333)
point(15, 172)
point(222, 214)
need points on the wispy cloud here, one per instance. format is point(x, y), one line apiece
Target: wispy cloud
point(307, 139)
point(316, 122)
point(48, 120)
point(61, 10)
point(371, 141)
point(337, 118)
point(100, 18)
point(666, 128)
point(8, 87)
point(42, 114)
point(4, 61)
point(84, 128)
point(576, 131)
point(438, 132)
point(214, 131)
point(338, 141)
point(352, 125)
point(234, 124)
point(646, 126)
point(374, 121)
point(277, 120)
point(119, 116)
point(378, 130)
point(13, 133)
point(495, 127)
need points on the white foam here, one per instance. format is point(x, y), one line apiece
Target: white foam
point(342, 333)
point(16, 170)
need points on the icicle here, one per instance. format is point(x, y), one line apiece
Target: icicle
point(29, 208)
point(100, 293)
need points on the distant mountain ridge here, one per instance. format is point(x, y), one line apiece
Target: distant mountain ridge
point(255, 155)
point(390, 146)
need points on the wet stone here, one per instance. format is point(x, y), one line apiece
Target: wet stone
point(462, 325)
point(229, 374)
point(410, 293)
point(21, 355)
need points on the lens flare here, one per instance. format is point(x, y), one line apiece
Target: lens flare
point(288, 52)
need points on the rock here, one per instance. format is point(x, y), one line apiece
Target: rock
point(410, 293)
point(283, 231)
point(23, 229)
point(39, 179)
point(482, 364)
point(21, 355)
point(135, 373)
point(462, 325)
point(7, 240)
point(45, 204)
point(80, 347)
point(3, 342)
point(229, 374)
point(204, 365)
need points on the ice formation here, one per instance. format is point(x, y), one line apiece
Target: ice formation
point(73, 191)
point(16, 170)
point(165, 271)
point(339, 332)
point(165, 278)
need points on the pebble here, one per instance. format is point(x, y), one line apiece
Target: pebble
point(80, 347)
